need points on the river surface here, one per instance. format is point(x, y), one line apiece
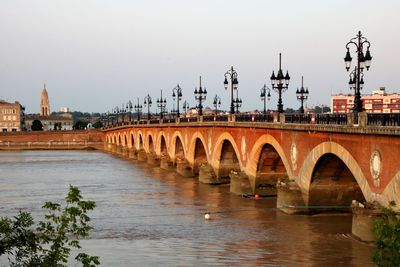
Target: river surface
point(150, 217)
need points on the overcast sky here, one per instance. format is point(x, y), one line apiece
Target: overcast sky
point(96, 54)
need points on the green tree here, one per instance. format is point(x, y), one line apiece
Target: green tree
point(80, 125)
point(37, 125)
point(387, 238)
point(48, 243)
point(98, 124)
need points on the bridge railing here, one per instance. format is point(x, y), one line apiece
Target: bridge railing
point(298, 118)
point(328, 118)
point(383, 119)
point(211, 118)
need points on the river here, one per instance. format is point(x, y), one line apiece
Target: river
point(149, 217)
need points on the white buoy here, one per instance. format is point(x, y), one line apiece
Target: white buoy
point(207, 216)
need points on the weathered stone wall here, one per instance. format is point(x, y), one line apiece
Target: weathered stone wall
point(52, 140)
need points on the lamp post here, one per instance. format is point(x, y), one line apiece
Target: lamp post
point(356, 81)
point(216, 103)
point(232, 74)
point(129, 109)
point(185, 107)
point(302, 95)
point(200, 95)
point(177, 95)
point(265, 95)
point(122, 110)
point(280, 83)
point(148, 102)
point(116, 111)
point(161, 104)
point(138, 109)
point(237, 103)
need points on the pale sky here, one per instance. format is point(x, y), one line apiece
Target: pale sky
point(96, 54)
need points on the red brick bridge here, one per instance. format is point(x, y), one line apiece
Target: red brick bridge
point(311, 164)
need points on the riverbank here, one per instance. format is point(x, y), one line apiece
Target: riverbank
point(52, 140)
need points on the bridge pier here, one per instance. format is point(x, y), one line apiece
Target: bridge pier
point(290, 198)
point(132, 153)
point(240, 184)
point(153, 159)
point(183, 168)
point(363, 220)
point(207, 175)
point(142, 155)
point(166, 163)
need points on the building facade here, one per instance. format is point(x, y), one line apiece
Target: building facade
point(12, 117)
point(51, 122)
point(377, 102)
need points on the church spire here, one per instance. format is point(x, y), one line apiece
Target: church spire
point(44, 102)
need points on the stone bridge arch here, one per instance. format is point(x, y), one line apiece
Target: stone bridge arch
point(226, 156)
point(140, 141)
point(266, 165)
point(177, 148)
point(320, 157)
point(391, 192)
point(150, 143)
point(197, 152)
point(131, 139)
point(161, 147)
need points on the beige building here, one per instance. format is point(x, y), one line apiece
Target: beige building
point(12, 117)
point(51, 122)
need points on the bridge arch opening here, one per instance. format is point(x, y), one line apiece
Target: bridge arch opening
point(132, 141)
point(270, 169)
point(150, 144)
point(333, 184)
point(163, 147)
point(140, 142)
point(115, 140)
point(200, 155)
point(228, 160)
point(179, 151)
point(119, 139)
point(125, 140)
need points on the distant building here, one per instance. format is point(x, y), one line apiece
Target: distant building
point(64, 109)
point(62, 121)
point(377, 102)
point(12, 117)
point(44, 102)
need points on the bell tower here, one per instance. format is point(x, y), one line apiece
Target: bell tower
point(44, 103)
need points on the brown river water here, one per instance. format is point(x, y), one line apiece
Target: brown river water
point(150, 217)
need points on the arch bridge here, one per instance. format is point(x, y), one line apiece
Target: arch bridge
point(308, 165)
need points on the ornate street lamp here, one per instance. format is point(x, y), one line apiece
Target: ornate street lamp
point(138, 109)
point(232, 74)
point(265, 95)
point(116, 111)
point(161, 104)
point(185, 107)
point(200, 95)
point(363, 61)
point(280, 83)
point(177, 95)
point(216, 103)
point(129, 109)
point(122, 110)
point(237, 103)
point(302, 95)
point(148, 102)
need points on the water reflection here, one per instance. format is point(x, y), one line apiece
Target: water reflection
point(150, 217)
